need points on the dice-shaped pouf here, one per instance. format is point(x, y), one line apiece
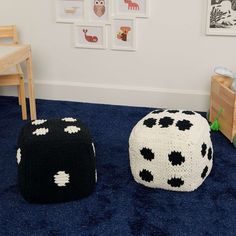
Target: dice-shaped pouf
point(171, 149)
point(56, 161)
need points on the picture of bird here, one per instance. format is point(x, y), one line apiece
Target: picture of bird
point(99, 7)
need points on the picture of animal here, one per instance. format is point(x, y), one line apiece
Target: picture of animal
point(90, 38)
point(233, 3)
point(99, 7)
point(123, 33)
point(132, 5)
point(222, 14)
point(70, 10)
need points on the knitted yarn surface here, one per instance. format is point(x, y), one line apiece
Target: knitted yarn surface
point(171, 149)
point(56, 161)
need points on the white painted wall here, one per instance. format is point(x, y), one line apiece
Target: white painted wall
point(171, 67)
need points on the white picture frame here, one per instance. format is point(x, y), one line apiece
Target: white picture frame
point(221, 18)
point(123, 33)
point(134, 8)
point(90, 35)
point(99, 11)
point(69, 11)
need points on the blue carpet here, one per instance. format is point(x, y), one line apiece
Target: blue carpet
point(119, 206)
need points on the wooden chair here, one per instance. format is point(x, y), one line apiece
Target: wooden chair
point(14, 76)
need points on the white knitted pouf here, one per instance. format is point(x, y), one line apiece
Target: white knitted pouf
point(171, 149)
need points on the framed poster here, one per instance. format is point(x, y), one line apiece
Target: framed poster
point(221, 17)
point(123, 34)
point(90, 35)
point(69, 11)
point(134, 8)
point(99, 10)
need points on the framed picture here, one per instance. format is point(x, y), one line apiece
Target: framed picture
point(88, 35)
point(221, 17)
point(135, 8)
point(99, 11)
point(69, 11)
point(123, 34)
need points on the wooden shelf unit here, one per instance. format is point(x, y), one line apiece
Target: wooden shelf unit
point(223, 97)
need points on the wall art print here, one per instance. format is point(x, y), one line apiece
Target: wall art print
point(134, 8)
point(221, 17)
point(90, 35)
point(69, 11)
point(123, 34)
point(99, 10)
point(93, 19)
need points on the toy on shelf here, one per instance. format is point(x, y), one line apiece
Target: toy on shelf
point(223, 99)
point(228, 73)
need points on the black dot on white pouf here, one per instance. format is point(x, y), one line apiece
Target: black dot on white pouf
point(150, 122)
point(204, 148)
point(147, 154)
point(165, 122)
point(146, 175)
point(171, 149)
point(56, 161)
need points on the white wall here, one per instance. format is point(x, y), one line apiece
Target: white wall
point(171, 67)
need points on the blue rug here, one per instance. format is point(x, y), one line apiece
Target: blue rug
point(119, 206)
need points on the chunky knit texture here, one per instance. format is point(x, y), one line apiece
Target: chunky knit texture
point(171, 149)
point(56, 161)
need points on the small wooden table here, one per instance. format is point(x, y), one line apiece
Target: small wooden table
point(11, 55)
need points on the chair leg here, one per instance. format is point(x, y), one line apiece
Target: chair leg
point(22, 98)
point(19, 95)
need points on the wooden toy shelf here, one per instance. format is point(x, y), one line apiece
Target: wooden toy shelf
point(223, 96)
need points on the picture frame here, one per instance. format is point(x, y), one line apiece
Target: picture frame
point(123, 34)
point(69, 11)
point(221, 18)
point(99, 11)
point(90, 35)
point(132, 8)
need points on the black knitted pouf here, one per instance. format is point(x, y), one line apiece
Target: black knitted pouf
point(56, 161)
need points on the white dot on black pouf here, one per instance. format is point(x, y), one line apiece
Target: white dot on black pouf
point(56, 161)
point(171, 149)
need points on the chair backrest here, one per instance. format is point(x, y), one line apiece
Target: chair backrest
point(8, 32)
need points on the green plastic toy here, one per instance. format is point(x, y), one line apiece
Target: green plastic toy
point(215, 126)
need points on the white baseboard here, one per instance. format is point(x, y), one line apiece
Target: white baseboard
point(118, 95)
